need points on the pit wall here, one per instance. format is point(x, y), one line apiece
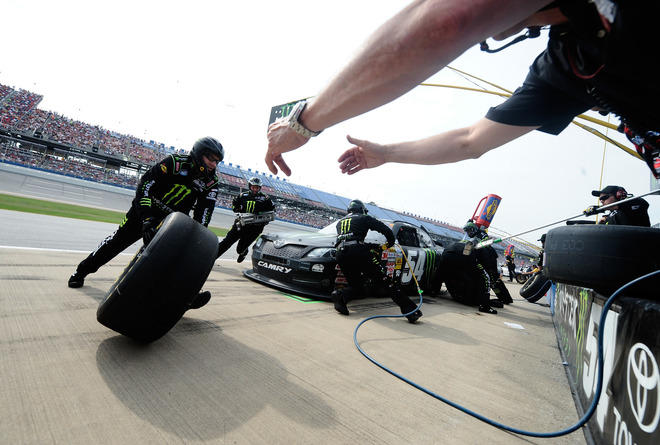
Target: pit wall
point(629, 408)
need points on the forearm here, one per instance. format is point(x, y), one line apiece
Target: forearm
point(409, 48)
point(455, 145)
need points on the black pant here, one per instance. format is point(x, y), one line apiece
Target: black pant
point(512, 271)
point(129, 231)
point(244, 235)
point(357, 262)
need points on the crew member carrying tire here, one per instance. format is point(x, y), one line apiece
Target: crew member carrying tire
point(178, 183)
point(252, 201)
point(358, 262)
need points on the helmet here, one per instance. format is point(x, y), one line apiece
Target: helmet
point(357, 206)
point(206, 145)
point(471, 229)
point(255, 181)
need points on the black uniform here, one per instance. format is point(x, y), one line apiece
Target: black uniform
point(172, 185)
point(511, 266)
point(357, 261)
point(246, 202)
point(631, 213)
point(600, 58)
point(487, 257)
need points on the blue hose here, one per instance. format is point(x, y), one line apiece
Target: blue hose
point(579, 424)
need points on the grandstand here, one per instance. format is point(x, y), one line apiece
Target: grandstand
point(41, 139)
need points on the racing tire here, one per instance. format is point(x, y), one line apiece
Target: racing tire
point(521, 279)
point(461, 287)
point(160, 282)
point(603, 257)
point(535, 287)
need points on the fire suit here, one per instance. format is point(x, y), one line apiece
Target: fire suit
point(172, 185)
point(357, 260)
point(246, 202)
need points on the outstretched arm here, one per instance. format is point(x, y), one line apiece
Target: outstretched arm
point(452, 146)
point(406, 50)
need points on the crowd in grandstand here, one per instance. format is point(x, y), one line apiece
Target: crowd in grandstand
point(19, 114)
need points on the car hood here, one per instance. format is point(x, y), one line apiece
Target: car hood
point(316, 239)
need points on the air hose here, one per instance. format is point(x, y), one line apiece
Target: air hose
point(585, 418)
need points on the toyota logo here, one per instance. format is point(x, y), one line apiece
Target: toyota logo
point(644, 387)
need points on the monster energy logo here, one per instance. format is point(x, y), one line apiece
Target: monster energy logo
point(176, 195)
point(249, 206)
point(345, 225)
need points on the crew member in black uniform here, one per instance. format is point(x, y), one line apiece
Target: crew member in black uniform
point(539, 260)
point(631, 213)
point(357, 261)
point(487, 257)
point(253, 201)
point(511, 265)
point(178, 183)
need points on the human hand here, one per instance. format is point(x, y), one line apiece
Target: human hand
point(591, 210)
point(363, 155)
point(281, 139)
point(148, 230)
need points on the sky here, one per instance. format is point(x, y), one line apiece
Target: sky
point(176, 71)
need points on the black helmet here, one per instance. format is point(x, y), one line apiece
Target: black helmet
point(255, 181)
point(206, 145)
point(471, 228)
point(357, 206)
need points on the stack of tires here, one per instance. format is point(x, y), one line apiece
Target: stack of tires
point(604, 257)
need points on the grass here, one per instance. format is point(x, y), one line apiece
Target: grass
point(31, 205)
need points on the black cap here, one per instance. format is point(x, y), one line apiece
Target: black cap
point(609, 190)
point(542, 239)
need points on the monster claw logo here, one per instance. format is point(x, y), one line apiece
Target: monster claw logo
point(345, 225)
point(178, 191)
point(249, 206)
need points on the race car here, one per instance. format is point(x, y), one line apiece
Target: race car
point(303, 263)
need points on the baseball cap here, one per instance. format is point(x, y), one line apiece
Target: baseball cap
point(542, 239)
point(609, 190)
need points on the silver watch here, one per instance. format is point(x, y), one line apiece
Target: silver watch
point(297, 126)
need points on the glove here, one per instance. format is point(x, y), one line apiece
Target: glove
point(591, 210)
point(148, 230)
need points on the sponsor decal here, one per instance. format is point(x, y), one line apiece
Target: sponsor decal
point(644, 387)
point(163, 168)
point(318, 268)
point(184, 172)
point(275, 267)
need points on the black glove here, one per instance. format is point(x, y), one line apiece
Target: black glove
point(148, 230)
point(591, 210)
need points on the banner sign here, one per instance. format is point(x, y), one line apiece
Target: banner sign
point(628, 411)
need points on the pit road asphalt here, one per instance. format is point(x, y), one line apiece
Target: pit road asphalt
point(256, 365)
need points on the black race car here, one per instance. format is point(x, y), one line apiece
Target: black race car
point(303, 263)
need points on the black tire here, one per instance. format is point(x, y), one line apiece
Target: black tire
point(461, 287)
point(521, 279)
point(603, 257)
point(159, 283)
point(535, 287)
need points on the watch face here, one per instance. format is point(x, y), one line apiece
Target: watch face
point(297, 109)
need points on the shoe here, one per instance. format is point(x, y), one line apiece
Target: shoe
point(200, 300)
point(242, 256)
point(340, 304)
point(487, 309)
point(412, 318)
point(497, 303)
point(76, 280)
